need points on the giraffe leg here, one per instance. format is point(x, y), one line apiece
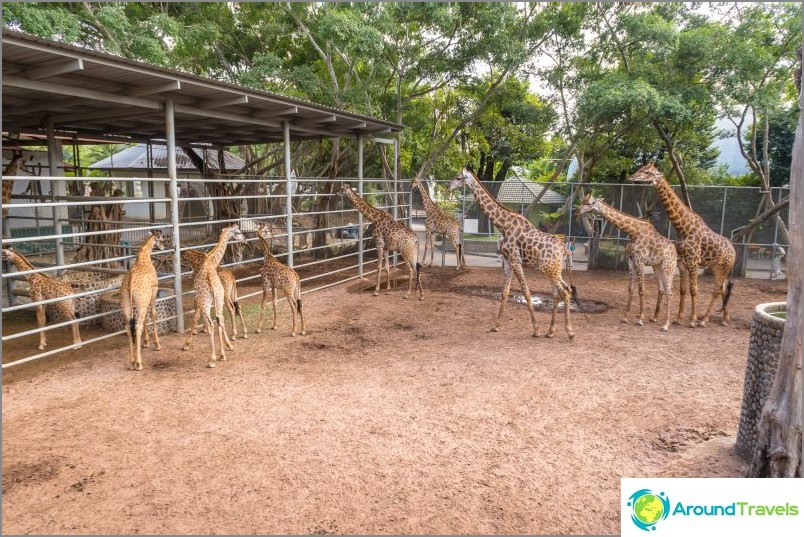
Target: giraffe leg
point(211, 329)
point(432, 247)
point(231, 309)
point(520, 275)
point(412, 275)
point(274, 327)
point(458, 252)
point(427, 234)
point(641, 289)
point(380, 260)
point(238, 311)
point(631, 280)
point(154, 319)
point(223, 337)
point(146, 340)
point(658, 273)
point(193, 331)
point(668, 270)
point(40, 323)
point(693, 273)
point(719, 292)
point(301, 312)
point(262, 308)
point(567, 304)
point(292, 303)
point(683, 285)
point(507, 275)
point(388, 270)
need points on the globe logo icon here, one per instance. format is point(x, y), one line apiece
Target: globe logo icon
point(648, 508)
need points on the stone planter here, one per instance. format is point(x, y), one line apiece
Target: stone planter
point(85, 305)
point(479, 246)
point(760, 372)
point(114, 322)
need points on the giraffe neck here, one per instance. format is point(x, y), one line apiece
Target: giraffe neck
point(428, 203)
point(216, 254)
point(371, 213)
point(626, 222)
point(677, 212)
point(266, 246)
point(14, 166)
point(22, 264)
point(493, 209)
point(144, 255)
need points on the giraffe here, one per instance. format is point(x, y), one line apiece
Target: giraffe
point(278, 276)
point(209, 294)
point(390, 236)
point(138, 291)
point(194, 259)
point(521, 244)
point(646, 247)
point(698, 246)
point(44, 287)
point(12, 169)
point(438, 221)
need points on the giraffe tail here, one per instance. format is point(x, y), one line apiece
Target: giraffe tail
point(237, 307)
point(299, 304)
point(418, 272)
point(132, 326)
point(727, 296)
point(574, 293)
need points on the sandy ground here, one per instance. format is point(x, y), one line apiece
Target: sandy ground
point(390, 416)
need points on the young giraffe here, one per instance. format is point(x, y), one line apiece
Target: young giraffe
point(12, 169)
point(194, 260)
point(698, 246)
point(278, 276)
point(438, 221)
point(521, 244)
point(209, 294)
point(44, 287)
point(646, 247)
point(138, 292)
point(390, 236)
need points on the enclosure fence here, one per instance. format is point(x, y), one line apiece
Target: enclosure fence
point(91, 240)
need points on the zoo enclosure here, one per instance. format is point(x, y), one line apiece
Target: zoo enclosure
point(725, 209)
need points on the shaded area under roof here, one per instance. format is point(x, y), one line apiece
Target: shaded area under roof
point(136, 158)
point(94, 94)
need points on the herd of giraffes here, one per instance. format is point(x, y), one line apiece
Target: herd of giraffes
point(520, 245)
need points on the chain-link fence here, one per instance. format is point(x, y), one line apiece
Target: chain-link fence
point(725, 209)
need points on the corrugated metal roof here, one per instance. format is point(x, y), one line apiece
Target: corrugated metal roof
point(517, 190)
point(95, 94)
point(136, 158)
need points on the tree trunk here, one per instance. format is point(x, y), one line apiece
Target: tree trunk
point(675, 161)
point(778, 451)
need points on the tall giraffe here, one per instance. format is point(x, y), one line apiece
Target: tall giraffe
point(646, 247)
point(278, 276)
point(698, 246)
point(438, 221)
point(195, 259)
point(389, 236)
point(44, 287)
point(209, 294)
point(12, 169)
point(521, 244)
point(138, 291)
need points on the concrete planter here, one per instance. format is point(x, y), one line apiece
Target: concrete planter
point(85, 305)
point(478, 246)
point(760, 372)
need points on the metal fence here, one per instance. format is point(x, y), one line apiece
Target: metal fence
point(725, 209)
point(315, 231)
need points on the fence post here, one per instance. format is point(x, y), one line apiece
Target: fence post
point(170, 135)
point(288, 193)
point(53, 158)
point(723, 210)
point(360, 269)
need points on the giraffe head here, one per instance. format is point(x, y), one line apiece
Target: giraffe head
point(346, 188)
point(9, 254)
point(233, 233)
point(589, 204)
point(416, 182)
point(648, 173)
point(463, 177)
point(160, 239)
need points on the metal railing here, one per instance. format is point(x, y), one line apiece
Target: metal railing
point(315, 230)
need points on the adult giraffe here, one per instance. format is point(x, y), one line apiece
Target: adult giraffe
point(521, 244)
point(698, 247)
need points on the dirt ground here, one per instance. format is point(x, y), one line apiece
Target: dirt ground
point(389, 416)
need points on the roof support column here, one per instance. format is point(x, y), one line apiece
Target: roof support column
point(360, 269)
point(170, 136)
point(288, 193)
point(56, 187)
